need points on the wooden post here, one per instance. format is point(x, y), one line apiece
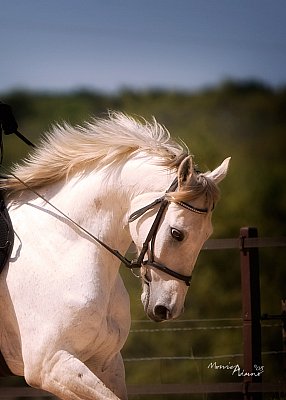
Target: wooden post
point(283, 313)
point(250, 285)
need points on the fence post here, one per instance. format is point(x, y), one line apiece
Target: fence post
point(283, 312)
point(250, 287)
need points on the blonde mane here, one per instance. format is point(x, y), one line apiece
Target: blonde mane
point(106, 142)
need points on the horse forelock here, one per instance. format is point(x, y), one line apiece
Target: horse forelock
point(200, 186)
point(68, 150)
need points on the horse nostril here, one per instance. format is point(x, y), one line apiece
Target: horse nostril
point(162, 313)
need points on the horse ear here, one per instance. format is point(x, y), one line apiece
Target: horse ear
point(218, 174)
point(185, 173)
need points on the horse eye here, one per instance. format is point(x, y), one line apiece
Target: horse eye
point(177, 235)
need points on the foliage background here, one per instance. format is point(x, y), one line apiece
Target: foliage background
point(244, 120)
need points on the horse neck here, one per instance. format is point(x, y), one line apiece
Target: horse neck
point(100, 201)
point(95, 204)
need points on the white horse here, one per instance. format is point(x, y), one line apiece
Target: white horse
point(64, 310)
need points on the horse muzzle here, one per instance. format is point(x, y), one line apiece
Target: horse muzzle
point(159, 306)
point(161, 312)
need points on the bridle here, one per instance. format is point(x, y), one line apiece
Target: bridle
point(150, 239)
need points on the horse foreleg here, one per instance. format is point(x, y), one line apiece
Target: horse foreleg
point(113, 375)
point(68, 378)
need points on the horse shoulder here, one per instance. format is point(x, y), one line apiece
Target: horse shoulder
point(119, 308)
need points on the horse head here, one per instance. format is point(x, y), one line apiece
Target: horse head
point(169, 234)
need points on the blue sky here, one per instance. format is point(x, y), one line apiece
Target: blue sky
point(113, 44)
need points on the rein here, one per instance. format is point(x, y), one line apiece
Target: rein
point(116, 253)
